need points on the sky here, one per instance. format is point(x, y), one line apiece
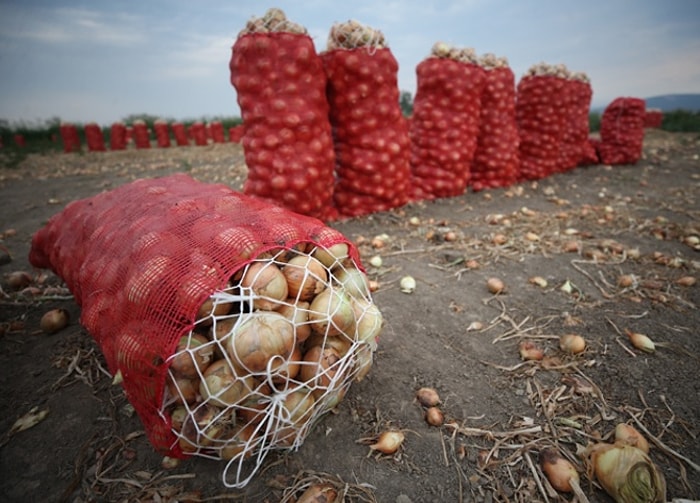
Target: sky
point(103, 61)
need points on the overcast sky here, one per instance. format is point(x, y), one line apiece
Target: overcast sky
point(104, 60)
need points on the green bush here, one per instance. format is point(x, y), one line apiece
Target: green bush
point(681, 121)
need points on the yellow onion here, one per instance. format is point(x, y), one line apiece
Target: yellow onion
point(203, 427)
point(240, 443)
point(627, 473)
point(297, 313)
point(287, 368)
point(178, 417)
point(54, 321)
point(319, 367)
point(572, 343)
point(183, 389)
point(340, 343)
point(434, 416)
point(559, 471)
point(193, 352)
point(306, 277)
point(332, 256)
point(428, 397)
point(363, 361)
point(388, 442)
point(368, 321)
point(260, 337)
point(222, 387)
point(254, 407)
point(298, 408)
point(331, 313)
point(267, 283)
point(353, 281)
point(641, 341)
point(530, 351)
point(319, 493)
point(628, 434)
point(17, 280)
point(210, 308)
point(495, 285)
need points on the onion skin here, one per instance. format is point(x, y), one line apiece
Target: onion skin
point(559, 471)
point(320, 366)
point(319, 493)
point(331, 313)
point(192, 353)
point(222, 387)
point(54, 321)
point(306, 277)
point(268, 284)
point(263, 335)
point(530, 351)
point(628, 434)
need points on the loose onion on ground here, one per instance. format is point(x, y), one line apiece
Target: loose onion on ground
point(54, 320)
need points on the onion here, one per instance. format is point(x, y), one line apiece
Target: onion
point(353, 281)
point(407, 284)
point(241, 442)
point(288, 368)
point(319, 493)
point(298, 407)
point(193, 352)
point(434, 416)
point(17, 280)
point(388, 442)
point(364, 357)
point(333, 255)
point(261, 336)
point(628, 434)
point(222, 387)
point(331, 313)
point(530, 351)
point(572, 343)
point(495, 285)
point(54, 320)
point(183, 389)
point(267, 283)
point(298, 314)
point(319, 367)
point(559, 471)
point(368, 321)
point(306, 277)
point(209, 308)
point(626, 473)
point(204, 427)
point(178, 417)
point(340, 343)
point(428, 397)
point(641, 341)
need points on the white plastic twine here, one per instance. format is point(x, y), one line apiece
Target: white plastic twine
point(277, 429)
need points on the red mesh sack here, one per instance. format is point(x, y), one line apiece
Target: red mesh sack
point(622, 131)
point(70, 138)
point(589, 153)
point(540, 111)
point(142, 136)
point(234, 324)
point(198, 133)
point(653, 118)
point(19, 140)
point(497, 157)
point(576, 122)
point(180, 134)
point(217, 132)
point(161, 130)
point(117, 136)
point(235, 133)
point(369, 131)
point(281, 90)
point(94, 138)
point(445, 122)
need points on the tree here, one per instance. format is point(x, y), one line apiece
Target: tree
point(406, 103)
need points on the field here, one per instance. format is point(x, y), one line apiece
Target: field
point(579, 233)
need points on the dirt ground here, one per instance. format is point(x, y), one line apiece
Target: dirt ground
point(578, 232)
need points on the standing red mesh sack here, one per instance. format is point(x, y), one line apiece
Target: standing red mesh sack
point(94, 137)
point(162, 132)
point(117, 136)
point(497, 157)
point(233, 324)
point(180, 134)
point(142, 136)
point(281, 90)
point(653, 118)
point(540, 112)
point(369, 131)
point(70, 138)
point(574, 144)
point(622, 131)
point(445, 122)
point(217, 132)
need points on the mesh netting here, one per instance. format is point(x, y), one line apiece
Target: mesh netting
point(622, 131)
point(576, 122)
point(234, 324)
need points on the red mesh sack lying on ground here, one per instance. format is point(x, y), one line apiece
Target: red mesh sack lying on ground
point(142, 136)
point(117, 136)
point(445, 122)
point(622, 131)
point(233, 324)
point(70, 138)
point(576, 121)
point(287, 140)
point(94, 137)
point(497, 157)
point(369, 131)
point(162, 132)
point(540, 108)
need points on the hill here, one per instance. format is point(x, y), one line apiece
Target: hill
point(669, 102)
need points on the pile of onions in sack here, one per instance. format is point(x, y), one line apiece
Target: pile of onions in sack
point(370, 134)
point(445, 122)
point(622, 131)
point(576, 122)
point(232, 324)
point(497, 157)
